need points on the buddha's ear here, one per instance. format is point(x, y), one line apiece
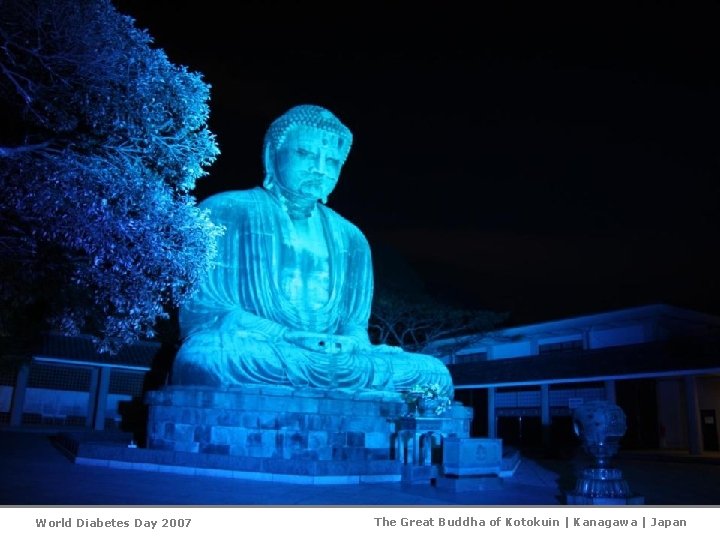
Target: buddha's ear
point(269, 164)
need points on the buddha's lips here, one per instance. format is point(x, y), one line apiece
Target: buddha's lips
point(316, 183)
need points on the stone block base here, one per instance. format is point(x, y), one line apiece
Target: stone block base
point(273, 432)
point(419, 474)
point(273, 422)
point(98, 450)
point(278, 430)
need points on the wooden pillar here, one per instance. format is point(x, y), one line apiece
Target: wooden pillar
point(492, 421)
point(18, 398)
point(610, 391)
point(693, 416)
point(545, 420)
point(101, 401)
point(92, 397)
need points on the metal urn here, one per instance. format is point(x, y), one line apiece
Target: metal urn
point(600, 425)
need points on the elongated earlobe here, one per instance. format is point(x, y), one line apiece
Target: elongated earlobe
point(269, 180)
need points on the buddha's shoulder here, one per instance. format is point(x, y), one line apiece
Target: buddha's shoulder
point(349, 227)
point(238, 200)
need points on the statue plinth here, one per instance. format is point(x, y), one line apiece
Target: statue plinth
point(601, 425)
point(279, 432)
point(276, 431)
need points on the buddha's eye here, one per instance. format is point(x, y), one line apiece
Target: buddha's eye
point(334, 162)
point(302, 152)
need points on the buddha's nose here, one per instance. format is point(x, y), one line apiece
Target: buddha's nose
point(319, 164)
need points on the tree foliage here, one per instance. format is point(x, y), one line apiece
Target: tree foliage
point(104, 139)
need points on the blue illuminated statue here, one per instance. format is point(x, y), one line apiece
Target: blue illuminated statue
point(289, 300)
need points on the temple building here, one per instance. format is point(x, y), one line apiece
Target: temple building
point(660, 363)
point(67, 382)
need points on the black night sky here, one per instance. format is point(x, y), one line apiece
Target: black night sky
point(546, 163)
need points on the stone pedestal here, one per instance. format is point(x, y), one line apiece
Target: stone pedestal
point(419, 474)
point(417, 436)
point(277, 422)
point(603, 486)
point(280, 430)
point(419, 442)
point(276, 431)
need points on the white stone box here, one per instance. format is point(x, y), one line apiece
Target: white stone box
point(471, 456)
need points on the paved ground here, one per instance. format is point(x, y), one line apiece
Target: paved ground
point(34, 472)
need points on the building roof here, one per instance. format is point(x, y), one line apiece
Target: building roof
point(82, 350)
point(675, 320)
point(663, 358)
point(620, 316)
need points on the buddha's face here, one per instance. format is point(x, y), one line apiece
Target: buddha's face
point(308, 162)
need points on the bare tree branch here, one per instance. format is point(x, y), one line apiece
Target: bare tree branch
point(9, 152)
point(413, 321)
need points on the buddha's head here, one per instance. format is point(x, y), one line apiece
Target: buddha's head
point(303, 152)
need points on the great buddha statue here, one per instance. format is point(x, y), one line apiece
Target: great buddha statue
point(289, 299)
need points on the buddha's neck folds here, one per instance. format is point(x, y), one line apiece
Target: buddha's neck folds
point(297, 207)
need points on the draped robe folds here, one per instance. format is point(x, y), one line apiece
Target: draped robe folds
point(233, 327)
